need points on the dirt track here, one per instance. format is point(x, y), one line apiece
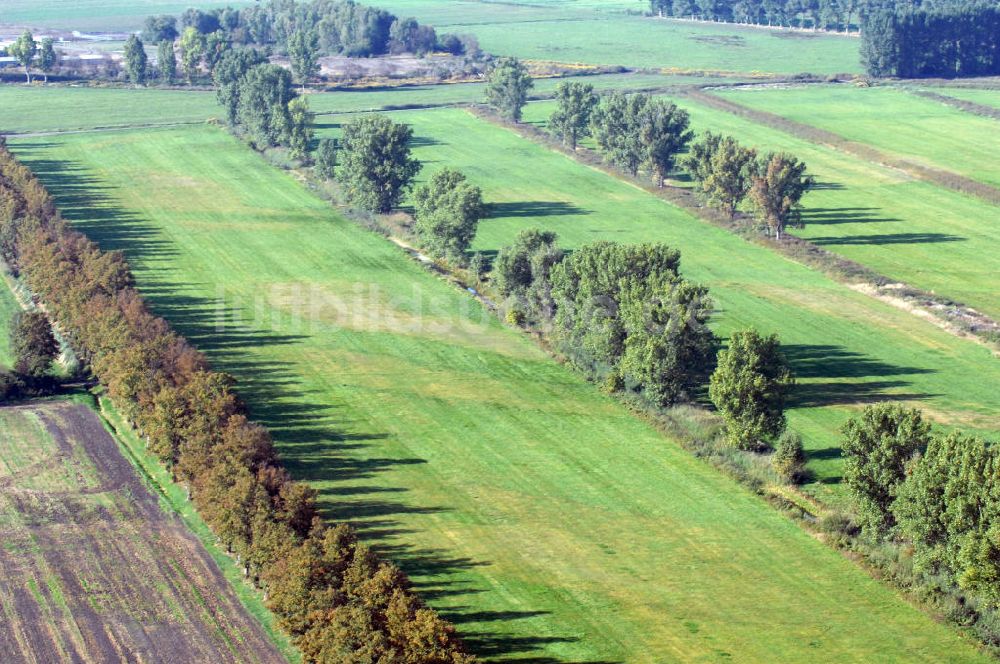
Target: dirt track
point(91, 568)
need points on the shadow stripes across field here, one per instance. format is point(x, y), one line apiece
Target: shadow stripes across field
point(907, 229)
point(540, 516)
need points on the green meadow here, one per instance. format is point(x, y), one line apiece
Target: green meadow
point(847, 348)
point(617, 34)
point(69, 108)
point(984, 97)
point(906, 229)
point(548, 522)
point(97, 15)
point(920, 130)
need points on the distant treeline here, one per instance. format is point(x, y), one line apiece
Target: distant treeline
point(340, 27)
point(331, 593)
point(816, 14)
point(946, 39)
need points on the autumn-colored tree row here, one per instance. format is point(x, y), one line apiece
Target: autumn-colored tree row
point(336, 599)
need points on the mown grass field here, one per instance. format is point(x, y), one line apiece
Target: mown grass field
point(91, 568)
point(542, 517)
point(920, 130)
point(603, 33)
point(906, 229)
point(985, 97)
point(97, 15)
point(67, 108)
point(847, 349)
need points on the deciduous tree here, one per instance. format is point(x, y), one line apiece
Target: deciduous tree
point(448, 209)
point(47, 57)
point(326, 158)
point(303, 51)
point(166, 62)
point(777, 188)
point(33, 344)
point(749, 387)
point(507, 88)
point(877, 446)
point(571, 119)
point(135, 60)
point(192, 47)
point(376, 167)
point(24, 50)
point(300, 128)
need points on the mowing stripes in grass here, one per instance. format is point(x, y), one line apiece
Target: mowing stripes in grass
point(536, 513)
point(906, 229)
point(920, 130)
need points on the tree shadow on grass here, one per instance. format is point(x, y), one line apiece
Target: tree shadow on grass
point(889, 238)
point(815, 362)
point(315, 442)
point(535, 209)
point(844, 215)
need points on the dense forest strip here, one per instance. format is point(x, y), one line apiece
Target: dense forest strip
point(962, 104)
point(954, 317)
point(937, 176)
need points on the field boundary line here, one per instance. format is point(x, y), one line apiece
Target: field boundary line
point(936, 176)
point(982, 110)
point(249, 598)
point(953, 317)
point(95, 130)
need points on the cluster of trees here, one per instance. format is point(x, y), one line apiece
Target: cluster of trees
point(633, 131)
point(376, 170)
point(949, 39)
point(31, 53)
point(330, 592)
point(328, 27)
point(815, 14)
point(261, 103)
point(937, 493)
point(725, 173)
point(622, 313)
point(34, 347)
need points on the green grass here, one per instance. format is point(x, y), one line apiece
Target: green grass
point(97, 15)
point(541, 516)
point(69, 108)
point(846, 347)
point(906, 229)
point(601, 33)
point(921, 130)
point(984, 97)
point(62, 108)
point(8, 307)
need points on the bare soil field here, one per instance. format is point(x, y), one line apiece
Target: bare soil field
point(92, 569)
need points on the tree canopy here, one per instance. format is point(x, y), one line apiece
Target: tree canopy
point(376, 165)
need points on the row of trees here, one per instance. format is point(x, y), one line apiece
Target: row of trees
point(330, 592)
point(725, 173)
point(377, 169)
point(260, 102)
point(31, 53)
point(329, 27)
point(639, 132)
point(938, 493)
point(625, 316)
point(815, 14)
point(622, 313)
point(958, 39)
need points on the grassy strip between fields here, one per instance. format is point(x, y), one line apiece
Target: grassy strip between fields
point(173, 499)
